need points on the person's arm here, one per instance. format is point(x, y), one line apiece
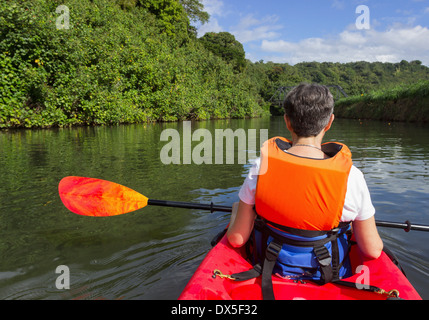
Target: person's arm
point(367, 237)
point(241, 224)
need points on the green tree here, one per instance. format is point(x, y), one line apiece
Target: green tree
point(224, 45)
point(127, 4)
point(115, 64)
point(195, 10)
point(170, 14)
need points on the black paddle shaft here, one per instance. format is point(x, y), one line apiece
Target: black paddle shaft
point(189, 205)
point(407, 226)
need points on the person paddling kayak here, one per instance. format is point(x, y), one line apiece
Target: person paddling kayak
point(301, 196)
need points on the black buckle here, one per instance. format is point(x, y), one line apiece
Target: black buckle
point(273, 250)
point(323, 256)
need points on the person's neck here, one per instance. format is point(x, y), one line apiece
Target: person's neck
point(310, 147)
point(311, 141)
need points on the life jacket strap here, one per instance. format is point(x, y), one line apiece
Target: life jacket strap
point(329, 265)
point(324, 259)
point(271, 255)
point(266, 270)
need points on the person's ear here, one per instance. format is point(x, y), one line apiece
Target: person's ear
point(328, 126)
point(288, 125)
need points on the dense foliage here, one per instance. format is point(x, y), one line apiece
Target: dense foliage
point(116, 63)
point(359, 80)
point(356, 78)
point(128, 61)
point(224, 45)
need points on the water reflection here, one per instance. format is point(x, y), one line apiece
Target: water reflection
point(151, 253)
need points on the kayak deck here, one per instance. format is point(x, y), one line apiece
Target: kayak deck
point(204, 285)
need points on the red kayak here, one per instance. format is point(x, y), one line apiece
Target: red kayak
point(210, 281)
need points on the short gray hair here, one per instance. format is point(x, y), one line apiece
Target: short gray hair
point(309, 108)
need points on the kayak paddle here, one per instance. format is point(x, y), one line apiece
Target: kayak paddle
point(102, 198)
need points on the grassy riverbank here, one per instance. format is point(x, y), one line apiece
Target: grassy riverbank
point(408, 103)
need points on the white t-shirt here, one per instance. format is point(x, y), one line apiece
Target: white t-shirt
point(357, 205)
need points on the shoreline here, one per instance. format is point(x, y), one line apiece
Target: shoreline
point(402, 104)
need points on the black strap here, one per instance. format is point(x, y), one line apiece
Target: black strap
point(271, 254)
point(335, 260)
point(324, 259)
point(262, 222)
point(249, 274)
point(393, 295)
point(267, 230)
point(294, 231)
point(272, 251)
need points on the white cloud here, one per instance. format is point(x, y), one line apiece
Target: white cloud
point(248, 28)
point(393, 45)
point(251, 29)
point(211, 26)
point(213, 7)
point(262, 37)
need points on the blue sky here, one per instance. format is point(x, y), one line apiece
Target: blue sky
point(324, 30)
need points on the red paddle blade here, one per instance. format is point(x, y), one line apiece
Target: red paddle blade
point(98, 198)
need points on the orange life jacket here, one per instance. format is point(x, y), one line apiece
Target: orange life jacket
point(299, 192)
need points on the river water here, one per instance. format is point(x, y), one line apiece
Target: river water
point(152, 252)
